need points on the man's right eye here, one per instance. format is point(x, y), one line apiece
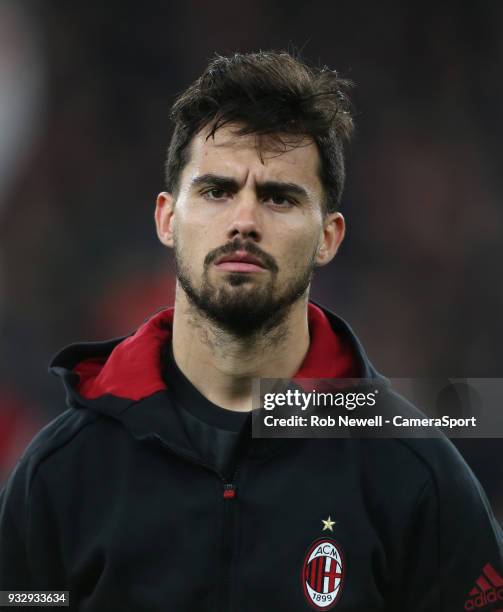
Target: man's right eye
point(215, 193)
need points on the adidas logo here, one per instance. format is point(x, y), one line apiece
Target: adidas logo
point(488, 589)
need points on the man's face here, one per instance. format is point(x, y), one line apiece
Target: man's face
point(246, 227)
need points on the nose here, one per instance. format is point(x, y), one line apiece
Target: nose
point(245, 222)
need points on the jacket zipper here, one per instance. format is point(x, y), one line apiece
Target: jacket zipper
point(229, 494)
point(229, 527)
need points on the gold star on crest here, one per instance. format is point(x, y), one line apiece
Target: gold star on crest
point(328, 523)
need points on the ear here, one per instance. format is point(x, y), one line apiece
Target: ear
point(334, 229)
point(164, 217)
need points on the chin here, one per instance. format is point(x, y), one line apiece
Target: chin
point(238, 279)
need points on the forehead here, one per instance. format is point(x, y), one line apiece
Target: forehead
point(265, 156)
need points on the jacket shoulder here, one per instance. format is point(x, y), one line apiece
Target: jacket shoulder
point(55, 435)
point(434, 451)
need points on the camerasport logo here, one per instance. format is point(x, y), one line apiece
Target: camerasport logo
point(323, 574)
point(488, 590)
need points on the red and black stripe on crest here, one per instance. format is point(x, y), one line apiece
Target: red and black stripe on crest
point(319, 569)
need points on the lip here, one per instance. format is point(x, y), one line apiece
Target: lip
point(240, 261)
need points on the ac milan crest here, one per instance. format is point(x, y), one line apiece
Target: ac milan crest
point(323, 574)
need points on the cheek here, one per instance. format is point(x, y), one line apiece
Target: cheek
point(192, 239)
point(298, 250)
point(188, 224)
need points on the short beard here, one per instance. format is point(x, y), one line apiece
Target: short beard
point(244, 314)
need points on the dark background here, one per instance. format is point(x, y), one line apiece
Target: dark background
point(85, 91)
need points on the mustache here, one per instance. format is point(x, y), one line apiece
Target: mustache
point(266, 260)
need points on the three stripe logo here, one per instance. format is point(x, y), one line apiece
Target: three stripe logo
point(488, 589)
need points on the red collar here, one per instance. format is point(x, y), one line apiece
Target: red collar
point(132, 370)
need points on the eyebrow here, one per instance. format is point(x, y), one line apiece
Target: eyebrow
point(230, 184)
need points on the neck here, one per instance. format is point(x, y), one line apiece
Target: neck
point(222, 366)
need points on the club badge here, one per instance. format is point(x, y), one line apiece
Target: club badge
point(323, 574)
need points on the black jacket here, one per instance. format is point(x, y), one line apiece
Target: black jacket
point(111, 502)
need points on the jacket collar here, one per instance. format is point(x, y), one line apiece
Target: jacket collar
point(122, 378)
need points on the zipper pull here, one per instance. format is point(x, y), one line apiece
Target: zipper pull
point(229, 491)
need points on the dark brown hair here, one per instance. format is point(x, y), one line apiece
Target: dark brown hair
point(269, 93)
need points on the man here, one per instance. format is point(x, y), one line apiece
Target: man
point(149, 492)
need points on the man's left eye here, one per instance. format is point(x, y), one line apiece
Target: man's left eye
point(280, 200)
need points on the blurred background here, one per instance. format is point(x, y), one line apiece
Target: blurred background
point(85, 92)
